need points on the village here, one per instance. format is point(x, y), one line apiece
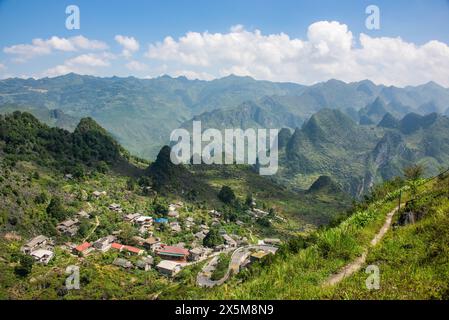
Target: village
point(148, 251)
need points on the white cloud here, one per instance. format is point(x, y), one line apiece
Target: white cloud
point(129, 44)
point(136, 66)
point(329, 51)
point(40, 47)
point(2, 66)
point(82, 64)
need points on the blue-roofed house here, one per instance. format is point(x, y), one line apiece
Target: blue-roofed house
point(161, 220)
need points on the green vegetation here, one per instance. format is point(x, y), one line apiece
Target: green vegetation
point(213, 238)
point(222, 267)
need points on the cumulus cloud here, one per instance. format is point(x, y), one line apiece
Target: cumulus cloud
point(40, 47)
point(82, 64)
point(134, 65)
point(129, 44)
point(330, 50)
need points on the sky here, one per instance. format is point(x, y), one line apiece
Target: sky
point(288, 41)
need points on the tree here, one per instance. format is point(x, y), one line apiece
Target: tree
point(55, 209)
point(25, 266)
point(414, 172)
point(249, 201)
point(160, 208)
point(213, 238)
point(226, 195)
point(84, 228)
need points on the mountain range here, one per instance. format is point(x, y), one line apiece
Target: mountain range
point(358, 133)
point(141, 113)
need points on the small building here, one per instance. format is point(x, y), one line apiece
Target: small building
point(175, 227)
point(161, 220)
point(200, 235)
point(42, 255)
point(115, 207)
point(257, 256)
point(68, 227)
point(151, 242)
point(229, 241)
point(169, 268)
point(219, 247)
point(35, 243)
point(173, 214)
point(104, 244)
point(83, 249)
point(133, 250)
point(197, 253)
point(123, 263)
point(145, 263)
point(215, 214)
point(83, 215)
point(173, 253)
point(144, 220)
point(272, 241)
point(132, 217)
point(98, 194)
point(128, 249)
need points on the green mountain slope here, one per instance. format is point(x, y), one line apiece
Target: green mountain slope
point(359, 156)
point(141, 113)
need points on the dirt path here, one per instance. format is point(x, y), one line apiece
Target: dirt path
point(97, 223)
point(357, 264)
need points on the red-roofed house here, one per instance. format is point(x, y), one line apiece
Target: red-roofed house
point(133, 250)
point(83, 249)
point(117, 246)
point(173, 253)
point(130, 249)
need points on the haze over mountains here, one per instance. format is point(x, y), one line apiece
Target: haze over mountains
point(356, 132)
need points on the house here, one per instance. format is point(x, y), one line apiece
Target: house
point(151, 242)
point(144, 221)
point(131, 217)
point(200, 235)
point(68, 176)
point(219, 247)
point(123, 263)
point(35, 243)
point(145, 263)
point(175, 227)
point(83, 249)
point(104, 244)
point(197, 253)
point(68, 227)
point(173, 214)
point(173, 253)
point(161, 220)
point(133, 250)
point(97, 193)
point(257, 256)
point(42, 255)
point(272, 241)
point(117, 246)
point(215, 214)
point(129, 249)
point(169, 268)
point(83, 215)
point(229, 241)
point(115, 207)
point(239, 223)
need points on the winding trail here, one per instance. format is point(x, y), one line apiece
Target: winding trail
point(357, 264)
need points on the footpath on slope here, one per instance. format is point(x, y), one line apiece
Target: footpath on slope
point(357, 264)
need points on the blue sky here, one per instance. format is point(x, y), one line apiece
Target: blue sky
point(148, 22)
